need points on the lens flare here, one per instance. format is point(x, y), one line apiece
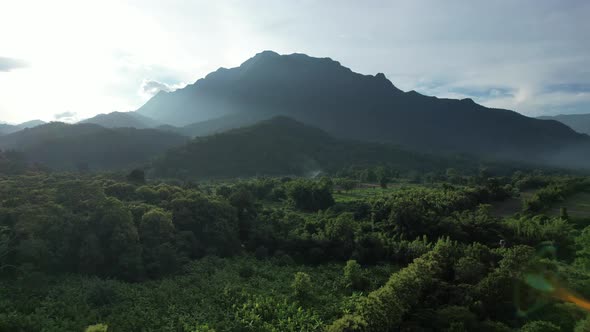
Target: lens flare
point(544, 285)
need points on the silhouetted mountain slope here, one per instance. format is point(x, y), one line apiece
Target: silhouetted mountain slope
point(284, 146)
point(123, 120)
point(322, 93)
point(67, 147)
point(217, 125)
point(578, 122)
point(6, 129)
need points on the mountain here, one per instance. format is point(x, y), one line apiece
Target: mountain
point(123, 120)
point(8, 128)
point(64, 146)
point(282, 146)
point(322, 93)
point(578, 122)
point(217, 125)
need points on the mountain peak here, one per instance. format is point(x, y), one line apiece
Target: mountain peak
point(323, 93)
point(271, 58)
point(267, 54)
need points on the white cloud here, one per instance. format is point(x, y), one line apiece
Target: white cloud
point(8, 64)
point(92, 57)
point(150, 88)
point(66, 116)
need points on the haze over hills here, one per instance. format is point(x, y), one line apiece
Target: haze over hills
point(8, 128)
point(282, 146)
point(217, 125)
point(64, 146)
point(578, 122)
point(122, 120)
point(346, 105)
point(323, 93)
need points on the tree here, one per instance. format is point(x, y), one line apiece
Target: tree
point(90, 255)
point(309, 195)
point(156, 228)
point(97, 328)
point(353, 275)
point(346, 184)
point(12, 162)
point(469, 270)
point(583, 325)
point(4, 246)
point(340, 231)
point(368, 175)
point(455, 318)
point(583, 253)
point(120, 239)
point(213, 223)
point(148, 194)
point(245, 204)
point(302, 286)
point(224, 191)
point(157, 234)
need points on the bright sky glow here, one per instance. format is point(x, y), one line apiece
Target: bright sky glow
point(69, 60)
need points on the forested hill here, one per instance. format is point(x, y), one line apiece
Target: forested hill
point(63, 146)
point(122, 120)
point(282, 146)
point(6, 129)
point(578, 122)
point(325, 94)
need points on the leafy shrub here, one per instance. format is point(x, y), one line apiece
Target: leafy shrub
point(302, 286)
point(353, 275)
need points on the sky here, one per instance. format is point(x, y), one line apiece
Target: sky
point(69, 60)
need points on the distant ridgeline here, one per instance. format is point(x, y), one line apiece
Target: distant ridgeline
point(578, 122)
point(63, 146)
point(322, 93)
point(321, 116)
point(278, 146)
point(6, 129)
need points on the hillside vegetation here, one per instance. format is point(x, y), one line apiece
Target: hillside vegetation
point(115, 253)
point(85, 147)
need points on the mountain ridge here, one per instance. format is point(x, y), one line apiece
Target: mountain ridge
point(578, 122)
point(63, 146)
point(6, 128)
point(122, 120)
point(323, 93)
point(284, 146)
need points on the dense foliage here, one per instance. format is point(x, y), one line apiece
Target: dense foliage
point(284, 146)
point(117, 252)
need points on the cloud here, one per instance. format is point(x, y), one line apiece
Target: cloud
point(530, 56)
point(568, 88)
point(8, 64)
point(66, 116)
point(150, 88)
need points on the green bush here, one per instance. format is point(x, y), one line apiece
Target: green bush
point(302, 286)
